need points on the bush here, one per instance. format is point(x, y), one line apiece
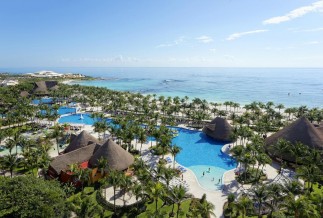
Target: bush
point(158, 150)
point(28, 196)
point(251, 176)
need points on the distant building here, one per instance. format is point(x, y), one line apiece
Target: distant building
point(73, 75)
point(45, 73)
point(8, 82)
point(52, 74)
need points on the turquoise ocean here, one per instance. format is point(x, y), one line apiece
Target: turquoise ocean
point(289, 86)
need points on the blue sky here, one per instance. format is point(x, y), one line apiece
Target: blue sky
point(161, 33)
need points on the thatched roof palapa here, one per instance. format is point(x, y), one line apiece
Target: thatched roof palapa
point(301, 131)
point(219, 129)
point(63, 162)
point(117, 157)
point(43, 87)
point(82, 140)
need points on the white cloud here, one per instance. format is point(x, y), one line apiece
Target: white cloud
point(298, 12)
point(311, 30)
point(311, 43)
point(204, 39)
point(177, 41)
point(238, 35)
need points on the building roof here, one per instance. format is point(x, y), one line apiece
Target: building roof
point(78, 156)
point(82, 140)
point(301, 131)
point(43, 87)
point(117, 157)
point(219, 129)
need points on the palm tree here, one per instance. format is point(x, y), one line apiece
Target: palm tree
point(156, 191)
point(178, 194)
point(310, 174)
point(280, 147)
point(57, 133)
point(243, 205)
point(298, 150)
point(292, 187)
point(300, 208)
point(259, 195)
point(102, 165)
point(9, 162)
point(205, 208)
point(125, 184)
point(114, 180)
point(174, 151)
point(142, 138)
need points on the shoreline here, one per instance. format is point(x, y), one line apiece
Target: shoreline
point(158, 94)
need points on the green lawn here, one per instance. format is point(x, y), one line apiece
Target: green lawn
point(89, 196)
point(166, 209)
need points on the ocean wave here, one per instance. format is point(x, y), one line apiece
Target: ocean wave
point(173, 80)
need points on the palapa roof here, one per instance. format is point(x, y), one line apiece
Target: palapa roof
point(44, 86)
point(117, 157)
point(219, 129)
point(82, 140)
point(63, 162)
point(72, 137)
point(301, 131)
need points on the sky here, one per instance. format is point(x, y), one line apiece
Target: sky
point(161, 33)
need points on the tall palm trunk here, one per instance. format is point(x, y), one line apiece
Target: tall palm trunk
point(114, 199)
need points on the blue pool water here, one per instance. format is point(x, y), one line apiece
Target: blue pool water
point(66, 110)
point(76, 118)
point(199, 153)
point(42, 101)
point(62, 110)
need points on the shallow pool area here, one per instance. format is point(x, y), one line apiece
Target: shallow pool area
point(209, 177)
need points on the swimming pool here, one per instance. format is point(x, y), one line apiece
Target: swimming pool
point(199, 153)
point(76, 118)
point(66, 110)
point(42, 101)
point(61, 110)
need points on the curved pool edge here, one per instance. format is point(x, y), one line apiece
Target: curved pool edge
point(199, 184)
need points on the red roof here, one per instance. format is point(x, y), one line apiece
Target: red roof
point(84, 165)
